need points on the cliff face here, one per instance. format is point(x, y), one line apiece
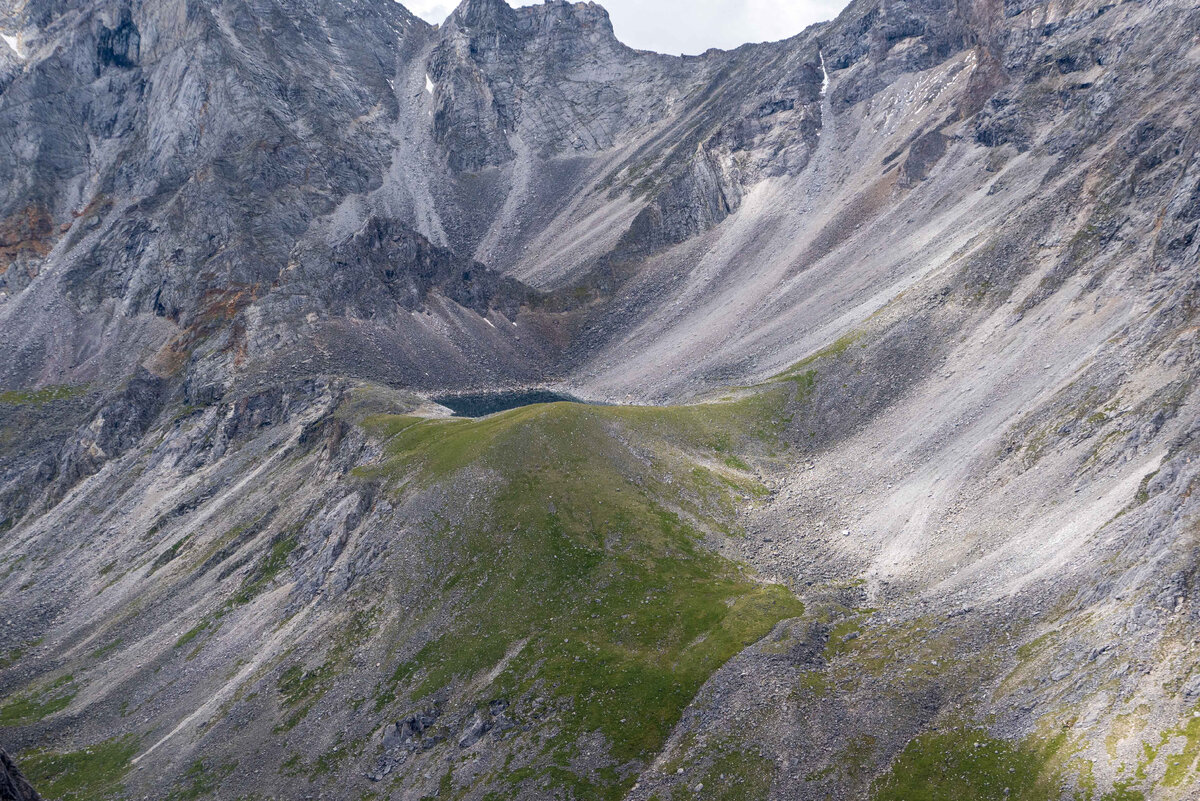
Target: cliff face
point(908, 299)
point(167, 159)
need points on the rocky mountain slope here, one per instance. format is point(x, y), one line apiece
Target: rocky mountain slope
point(890, 496)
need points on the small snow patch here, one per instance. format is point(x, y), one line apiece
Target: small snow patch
point(13, 43)
point(428, 83)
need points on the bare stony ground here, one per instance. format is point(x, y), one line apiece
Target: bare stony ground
point(889, 496)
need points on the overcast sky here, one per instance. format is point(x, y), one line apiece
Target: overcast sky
point(687, 26)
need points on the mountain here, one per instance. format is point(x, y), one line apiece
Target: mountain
point(882, 488)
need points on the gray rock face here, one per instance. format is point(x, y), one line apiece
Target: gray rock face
point(385, 268)
point(13, 785)
point(193, 169)
point(243, 242)
point(210, 157)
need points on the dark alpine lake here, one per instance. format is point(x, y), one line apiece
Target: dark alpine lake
point(479, 404)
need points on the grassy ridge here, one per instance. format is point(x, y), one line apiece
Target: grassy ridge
point(588, 572)
point(90, 774)
point(39, 397)
point(967, 763)
point(959, 764)
point(38, 704)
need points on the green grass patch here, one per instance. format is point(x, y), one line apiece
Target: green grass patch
point(1143, 490)
point(1028, 650)
point(734, 776)
point(968, 764)
point(267, 570)
point(38, 705)
point(737, 463)
point(169, 554)
point(814, 682)
point(806, 381)
point(200, 780)
point(300, 689)
point(270, 567)
point(841, 637)
point(435, 448)
point(1121, 791)
point(193, 633)
point(1182, 765)
point(91, 774)
point(11, 658)
point(39, 397)
point(106, 650)
point(801, 370)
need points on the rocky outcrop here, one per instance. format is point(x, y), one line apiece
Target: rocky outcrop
point(500, 72)
point(209, 159)
point(191, 158)
point(385, 268)
point(13, 785)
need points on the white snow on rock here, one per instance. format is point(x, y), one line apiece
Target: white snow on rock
point(13, 43)
point(428, 84)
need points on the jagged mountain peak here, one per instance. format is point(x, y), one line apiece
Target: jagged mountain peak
point(483, 13)
point(551, 19)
